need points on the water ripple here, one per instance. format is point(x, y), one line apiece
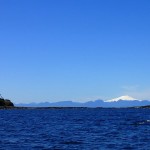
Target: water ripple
point(75, 129)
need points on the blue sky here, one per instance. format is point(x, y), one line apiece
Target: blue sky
point(78, 50)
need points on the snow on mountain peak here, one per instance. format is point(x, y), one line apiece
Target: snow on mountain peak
point(126, 97)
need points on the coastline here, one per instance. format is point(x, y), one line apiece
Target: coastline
point(37, 108)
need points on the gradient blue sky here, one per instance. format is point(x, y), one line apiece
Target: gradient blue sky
point(55, 50)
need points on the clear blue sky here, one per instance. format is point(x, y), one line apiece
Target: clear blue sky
point(55, 50)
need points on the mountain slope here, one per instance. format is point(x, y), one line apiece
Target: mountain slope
point(126, 98)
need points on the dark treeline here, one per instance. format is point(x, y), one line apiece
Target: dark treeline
point(5, 102)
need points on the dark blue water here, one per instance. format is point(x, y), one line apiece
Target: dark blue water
point(69, 129)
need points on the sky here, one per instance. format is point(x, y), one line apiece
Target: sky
point(79, 50)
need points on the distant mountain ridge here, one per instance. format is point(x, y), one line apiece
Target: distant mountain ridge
point(130, 102)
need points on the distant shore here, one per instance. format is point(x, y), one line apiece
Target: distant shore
point(2, 107)
point(35, 108)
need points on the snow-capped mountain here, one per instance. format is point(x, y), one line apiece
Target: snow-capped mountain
point(125, 98)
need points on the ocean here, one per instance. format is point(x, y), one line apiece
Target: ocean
point(75, 129)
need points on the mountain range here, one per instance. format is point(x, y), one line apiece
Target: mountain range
point(123, 101)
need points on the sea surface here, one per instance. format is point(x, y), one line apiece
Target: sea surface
point(75, 129)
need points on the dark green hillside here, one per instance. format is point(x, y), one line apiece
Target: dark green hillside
point(2, 102)
point(5, 102)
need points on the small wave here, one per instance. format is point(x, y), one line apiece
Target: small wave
point(145, 122)
point(71, 142)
